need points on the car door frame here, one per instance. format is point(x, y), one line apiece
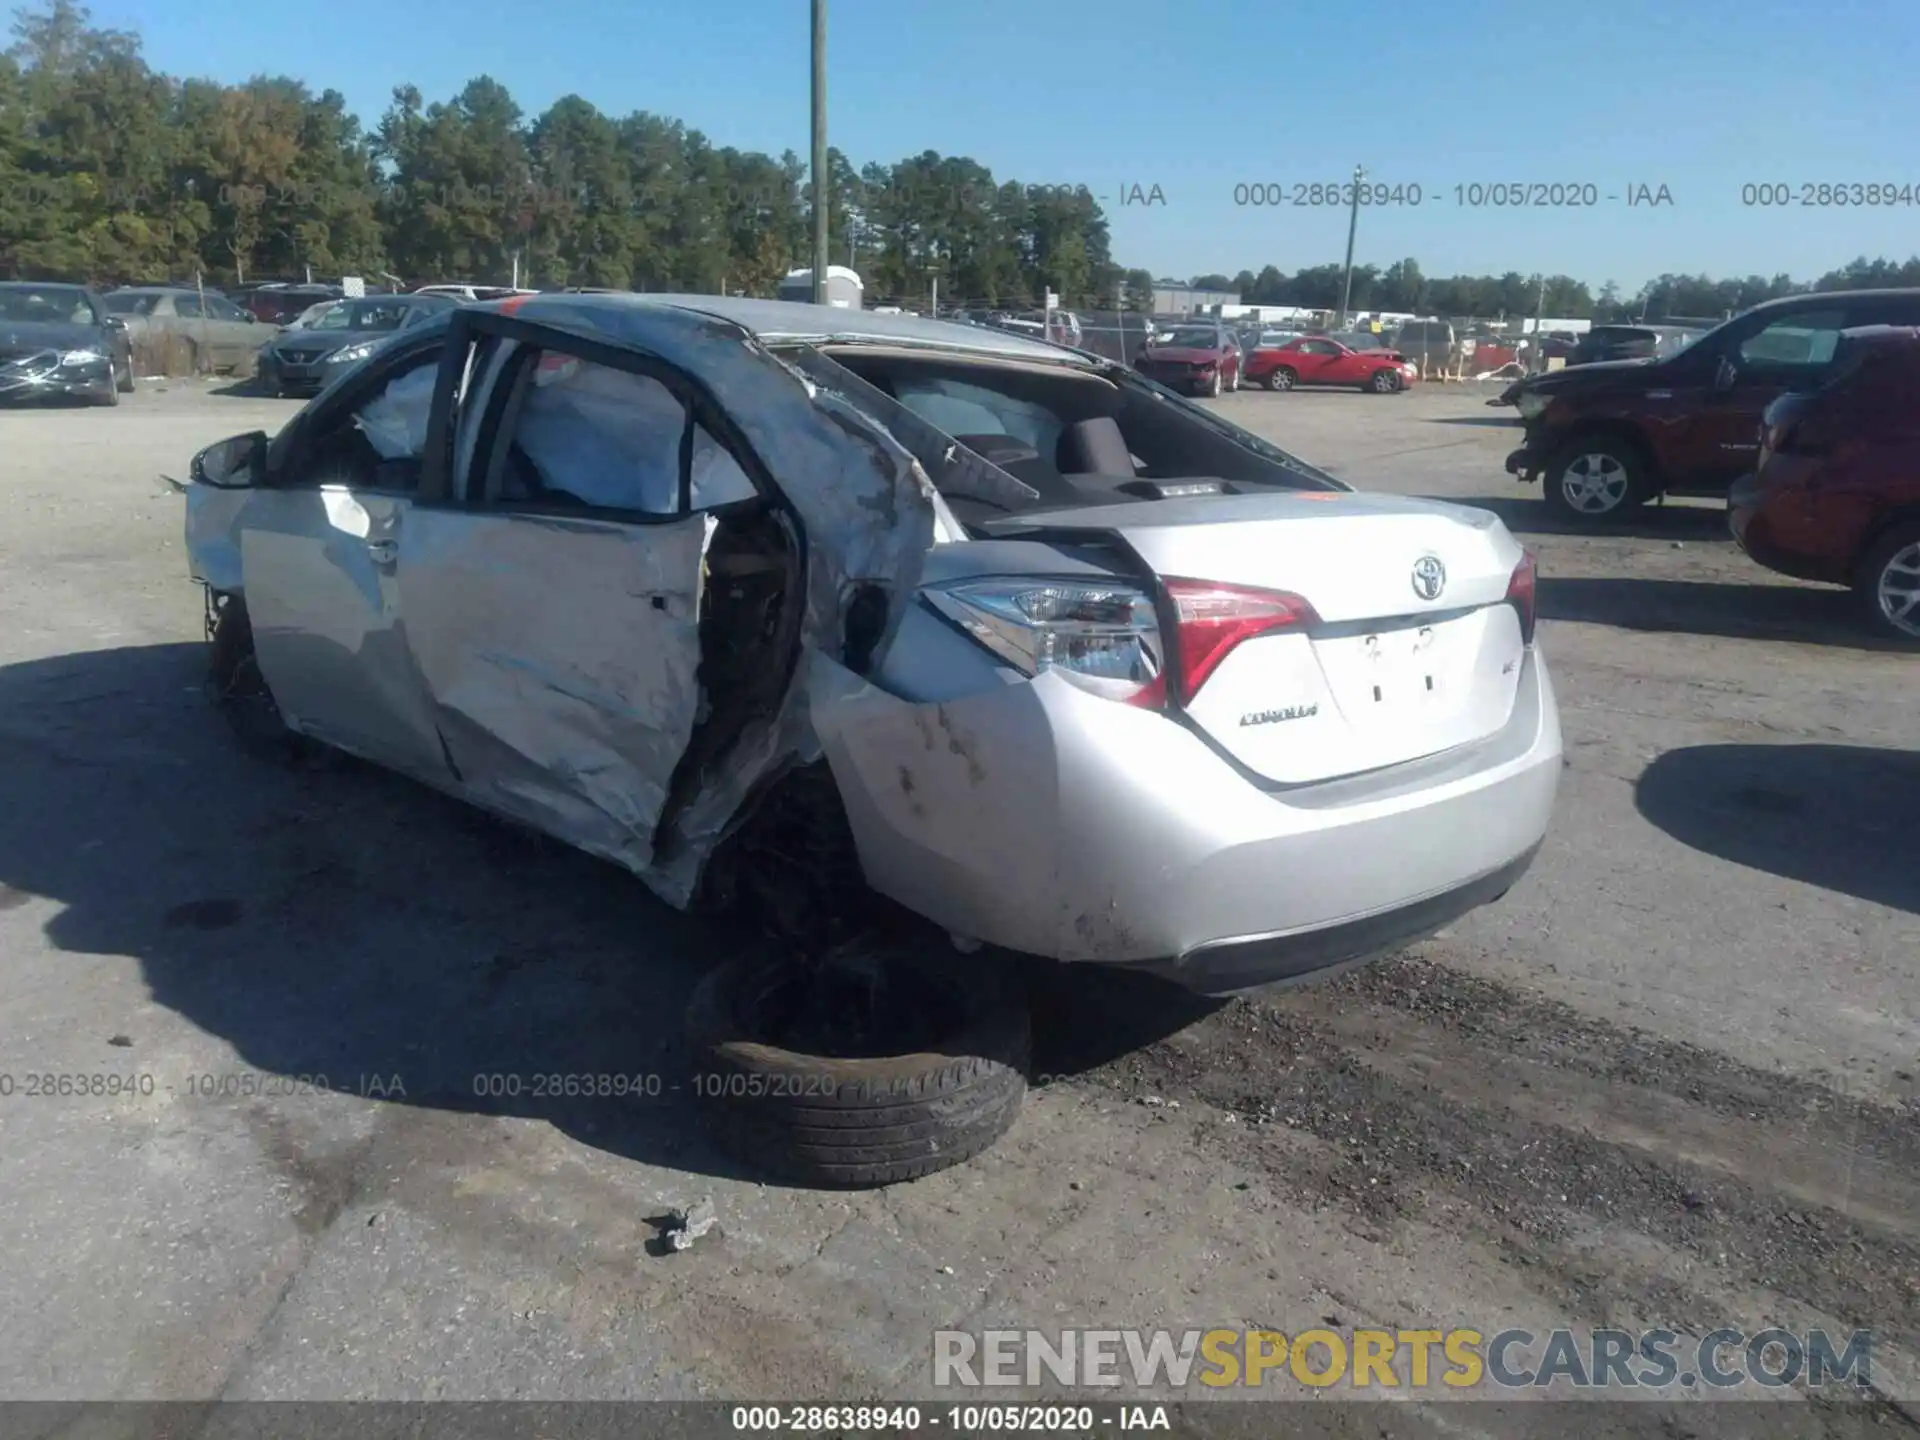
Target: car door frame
point(194, 328)
point(1314, 372)
point(394, 726)
point(454, 489)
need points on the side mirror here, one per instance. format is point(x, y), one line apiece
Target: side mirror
point(233, 464)
point(115, 322)
point(1724, 374)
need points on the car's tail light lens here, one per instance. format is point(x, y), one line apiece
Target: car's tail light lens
point(1802, 435)
point(1523, 594)
point(1212, 619)
point(1104, 637)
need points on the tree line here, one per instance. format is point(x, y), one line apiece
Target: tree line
point(1401, 287)
point(113, 172)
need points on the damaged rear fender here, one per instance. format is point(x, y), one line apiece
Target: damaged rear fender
point(998, 815)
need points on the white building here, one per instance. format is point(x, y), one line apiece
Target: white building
point(844, 287)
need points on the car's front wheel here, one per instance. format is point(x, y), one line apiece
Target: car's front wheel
point(1888, 585)
point(1281, 379)
point(867, 1067)
point(235, 685)
point(1384, 382)
point(1594, 479)
point(123, 377)
point(1212, 387)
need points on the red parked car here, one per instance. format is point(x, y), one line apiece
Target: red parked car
point(1319, 360)
point(1199, 359)
point(1836, 493)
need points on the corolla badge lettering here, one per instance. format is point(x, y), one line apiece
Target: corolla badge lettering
point(1429, 577)
point(1274, 717)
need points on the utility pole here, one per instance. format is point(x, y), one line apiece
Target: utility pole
point(1539, 322)
point(1353, 225)
point(820, 182)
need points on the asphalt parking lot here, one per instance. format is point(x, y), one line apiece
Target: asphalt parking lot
point(1672, 1079)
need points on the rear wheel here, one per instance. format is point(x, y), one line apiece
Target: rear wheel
point(1888, 585)
point(868, 1067)
point(1593, 479)
point(1281, 379)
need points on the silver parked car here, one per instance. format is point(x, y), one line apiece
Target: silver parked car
point(886, 626)
point(214, 333)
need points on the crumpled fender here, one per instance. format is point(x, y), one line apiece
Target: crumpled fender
point(213, 536)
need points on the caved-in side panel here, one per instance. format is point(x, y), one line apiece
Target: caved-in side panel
point(563, 658)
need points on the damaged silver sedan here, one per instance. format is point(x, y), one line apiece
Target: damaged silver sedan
point(887, 628)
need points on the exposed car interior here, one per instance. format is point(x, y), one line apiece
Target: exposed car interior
point(1069, 436)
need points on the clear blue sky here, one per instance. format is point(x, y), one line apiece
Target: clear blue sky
point(1200, 96)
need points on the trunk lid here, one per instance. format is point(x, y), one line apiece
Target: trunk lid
point(1389, 673)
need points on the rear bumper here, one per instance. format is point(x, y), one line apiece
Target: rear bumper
point(1748, 519)
point(1230, 967)
point(1045, 820)
point(1185, 380)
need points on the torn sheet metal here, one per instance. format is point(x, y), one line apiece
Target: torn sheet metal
point(866, 508)
point(563, 658)
point(567, 696)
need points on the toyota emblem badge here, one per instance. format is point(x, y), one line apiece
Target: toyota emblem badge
point(1429, 577)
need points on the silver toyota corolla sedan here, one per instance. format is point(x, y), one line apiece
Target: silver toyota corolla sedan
point(748, 594)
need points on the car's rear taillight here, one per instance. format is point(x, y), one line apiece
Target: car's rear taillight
point(1105, 638)
point(1523, 594)
point(1802, 434)
point(1210, 620)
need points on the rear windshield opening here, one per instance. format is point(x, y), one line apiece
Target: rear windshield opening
point(1068, 437)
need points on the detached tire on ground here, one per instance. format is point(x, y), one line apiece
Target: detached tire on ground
point(795, 1114)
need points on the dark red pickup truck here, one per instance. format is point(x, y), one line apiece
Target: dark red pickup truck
point(1608, 437)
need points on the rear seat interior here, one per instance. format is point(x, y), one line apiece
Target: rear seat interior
point(1095, 459)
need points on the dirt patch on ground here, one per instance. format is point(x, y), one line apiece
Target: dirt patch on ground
point(1632, 1180)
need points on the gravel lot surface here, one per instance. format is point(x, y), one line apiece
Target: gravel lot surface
point(1673, 1079)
